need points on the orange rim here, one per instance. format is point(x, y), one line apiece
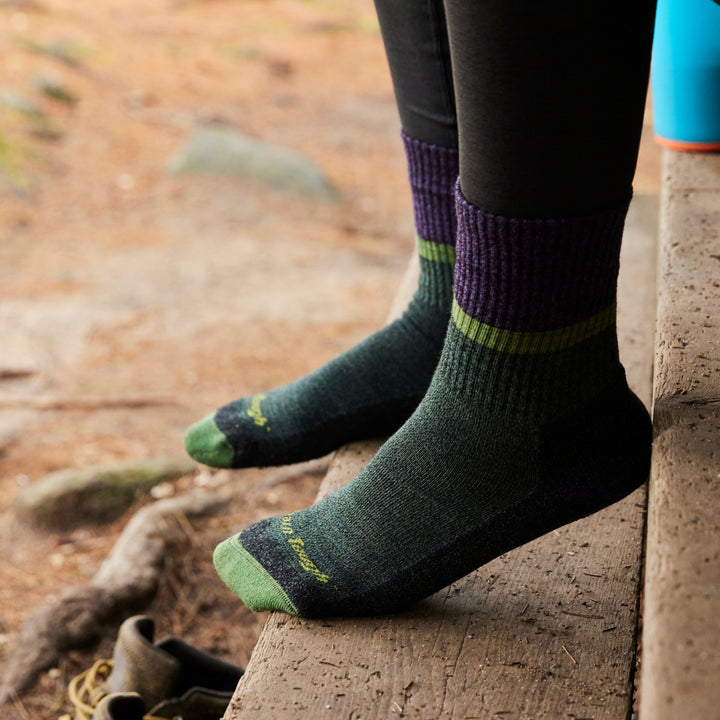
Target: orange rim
point(686, 146)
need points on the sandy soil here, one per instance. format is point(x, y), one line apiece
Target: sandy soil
point(118, 281)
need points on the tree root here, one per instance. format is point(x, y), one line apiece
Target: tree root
point(128, 578)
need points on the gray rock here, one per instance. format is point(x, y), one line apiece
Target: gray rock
point(75, 497)
point(227, 152)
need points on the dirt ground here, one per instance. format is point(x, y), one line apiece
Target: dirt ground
point(118, 281)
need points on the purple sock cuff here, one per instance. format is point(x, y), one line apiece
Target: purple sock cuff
point(433, 172)
point(534, 275)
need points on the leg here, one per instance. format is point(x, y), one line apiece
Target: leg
point(373, 388)
point(416, 44)
point(528, 423)
point(550, 101)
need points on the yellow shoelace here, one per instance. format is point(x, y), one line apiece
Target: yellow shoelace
point(85, 691)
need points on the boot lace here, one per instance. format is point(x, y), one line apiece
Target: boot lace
point(86, 690)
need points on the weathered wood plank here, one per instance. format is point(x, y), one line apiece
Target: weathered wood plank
point(546, 631)
point(681, 631)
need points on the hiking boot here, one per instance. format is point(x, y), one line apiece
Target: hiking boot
point(172, 678)
point(120, 706)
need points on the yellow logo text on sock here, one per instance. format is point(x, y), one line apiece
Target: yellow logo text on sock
point(255, 412)
point(297, 544)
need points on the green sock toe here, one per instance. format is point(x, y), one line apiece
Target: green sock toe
point(205, 443)
point(249, 580)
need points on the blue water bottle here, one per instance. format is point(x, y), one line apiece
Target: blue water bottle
point(685, 74)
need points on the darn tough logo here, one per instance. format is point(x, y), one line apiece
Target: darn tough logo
point(297, 544)
point(255, 412)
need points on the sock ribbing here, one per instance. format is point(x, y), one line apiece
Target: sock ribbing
point(535, 275)
point(433, 172)
point(534, 309)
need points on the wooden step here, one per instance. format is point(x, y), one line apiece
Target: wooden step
point(545, 631)
point(681, 630)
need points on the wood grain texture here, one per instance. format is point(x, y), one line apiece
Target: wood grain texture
point(545, 631)
point(681, 638)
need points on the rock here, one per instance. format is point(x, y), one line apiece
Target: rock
point(224, 151)
point(74, 497)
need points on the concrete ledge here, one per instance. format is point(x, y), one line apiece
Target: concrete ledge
point(681, 632)
point(546, 631)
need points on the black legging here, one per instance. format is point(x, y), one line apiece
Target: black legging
point(548, 97)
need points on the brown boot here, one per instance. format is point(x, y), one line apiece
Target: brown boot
point(120, 706)
point(171, 677)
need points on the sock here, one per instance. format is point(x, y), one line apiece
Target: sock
point(370, 390)
point(528, 424)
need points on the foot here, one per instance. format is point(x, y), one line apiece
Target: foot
point(528, 424)
point(462, 482)
point(373, 388)
point(366, 392)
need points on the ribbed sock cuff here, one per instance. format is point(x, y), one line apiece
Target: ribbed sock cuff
point(433, 172)
point(534, 275)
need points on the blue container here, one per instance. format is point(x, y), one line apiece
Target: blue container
point(685, 74)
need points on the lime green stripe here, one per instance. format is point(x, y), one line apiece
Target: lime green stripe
point(531, 343)
point(439, 252)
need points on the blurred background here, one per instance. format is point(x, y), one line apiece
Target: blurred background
point(153, 268)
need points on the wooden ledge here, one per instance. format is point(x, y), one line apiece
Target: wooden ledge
point(681, 636)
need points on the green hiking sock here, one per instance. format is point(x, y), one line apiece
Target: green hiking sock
point(528, 424)
point(370, 390)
